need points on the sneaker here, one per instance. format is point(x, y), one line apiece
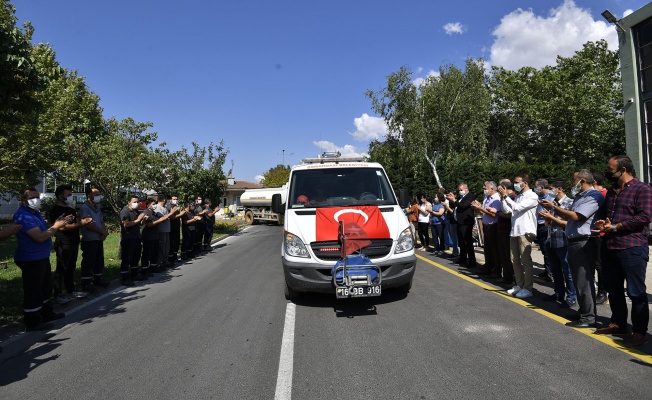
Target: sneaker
point(79, 295)
point(635, 339)
point(62, 298)
point(514, 290)
point(523, 294)
point(568, 303)
point(611, 329)
point(601, 298)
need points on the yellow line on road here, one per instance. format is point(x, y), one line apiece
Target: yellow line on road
point(587, 331)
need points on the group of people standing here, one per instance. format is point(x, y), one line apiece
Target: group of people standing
point(598, 230)
point(150, 241)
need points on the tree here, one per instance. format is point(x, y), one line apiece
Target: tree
point(199, 173)
point(447, 115)
point(276, 176)
point(19, 81)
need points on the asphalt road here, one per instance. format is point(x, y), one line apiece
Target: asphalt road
point(220, 328)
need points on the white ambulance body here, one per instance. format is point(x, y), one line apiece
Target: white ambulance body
point(323, 191)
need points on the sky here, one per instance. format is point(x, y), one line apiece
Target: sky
point(282, 80)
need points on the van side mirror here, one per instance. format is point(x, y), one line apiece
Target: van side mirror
point(277, 206)
point(403, 198)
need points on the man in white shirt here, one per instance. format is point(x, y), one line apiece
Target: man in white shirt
point(523, 233)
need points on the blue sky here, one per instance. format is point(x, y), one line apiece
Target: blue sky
point(268, 76)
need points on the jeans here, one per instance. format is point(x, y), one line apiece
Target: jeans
point(618, 267)
point(438, 236)
point(452, 232)
point(561, 273)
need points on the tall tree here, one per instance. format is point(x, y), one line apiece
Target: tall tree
point(200, 172)
point(276, 176)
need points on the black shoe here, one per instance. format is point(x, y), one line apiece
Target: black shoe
point(542, 274)
point(551, 297)
point(601, 298)
point(52, 316)
point(43, 326)
point(580, 324)
point(127, 282)
point(573, 317)
point(101, 283)
point(568, 304)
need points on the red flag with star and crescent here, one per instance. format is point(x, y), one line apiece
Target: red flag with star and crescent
point(360, 224)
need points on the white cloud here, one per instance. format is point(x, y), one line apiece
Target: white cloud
point(627, 12)
point(259, 178)
point(368, 128)
point(419, 81)
point(347, 150)
point(454, 27)
point(525, 39)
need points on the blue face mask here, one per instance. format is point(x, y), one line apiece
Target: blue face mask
point(518, 187)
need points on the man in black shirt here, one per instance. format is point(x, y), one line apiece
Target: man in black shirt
point(130, 221)
point(209, 223)
point(175, 228)
point(66, 245)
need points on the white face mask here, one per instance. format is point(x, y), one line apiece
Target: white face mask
point(518, 187)
point(198, 201)
point(486, 193)
point(34, 204)
point(134, 205)
point(97, 199)
point(576, 189)
point(462, 193)
point(173, 202)
point(70, 201)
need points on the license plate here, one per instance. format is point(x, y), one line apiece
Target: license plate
point(361, 291)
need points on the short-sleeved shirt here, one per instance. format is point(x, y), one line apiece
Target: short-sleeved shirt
point(540, 208)
point(28, 249)
point(424, 218)
point(88, 211)
point(128, 214)
point(70, 235)
point(150, 232)
point(196, 209)
point(175, 223)
point(586, 204)
point(209, 219)
point(160, 212)
point(437, 219)
point(184, 218)
point(492, 201)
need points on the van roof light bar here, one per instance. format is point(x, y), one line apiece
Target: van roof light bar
point(331, 157)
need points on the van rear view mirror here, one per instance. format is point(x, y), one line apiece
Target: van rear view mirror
point(277, 206)
point(404, 198)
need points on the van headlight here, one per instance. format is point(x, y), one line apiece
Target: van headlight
point(404, 242)
point(294, 246)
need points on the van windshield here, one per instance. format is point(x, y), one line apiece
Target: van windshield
point(337, 187)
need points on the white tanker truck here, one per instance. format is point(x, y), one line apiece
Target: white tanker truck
point(257, 205)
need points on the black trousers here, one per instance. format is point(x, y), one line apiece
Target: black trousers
point(200, 226)
point(130, 255)
point(208, 233)
point(149, 257)
point(465, 239)
point(37, 284)
point(92, 264)
point(64, 274)
point(175, 241)
point(188, 244)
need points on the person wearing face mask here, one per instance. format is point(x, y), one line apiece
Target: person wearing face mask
point(175, 228)
point(503, 229)
point(209, 223)
point(149, 240)
point(541, 188)
point(465, 221)
point(92, 242)
point(624, 219)
point(601, 296)
point(437, 219)
point(32, 256)
point(423, 222)
point(581, 244)
point(557, 247)
point(524, 230)
point(130, 223)
point(489, 209)
point(164, 228)
point(200, 226)
point(66, 245)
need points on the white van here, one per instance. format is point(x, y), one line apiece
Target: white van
point(323, 191)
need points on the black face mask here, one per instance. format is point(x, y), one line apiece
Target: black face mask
point(610, 176)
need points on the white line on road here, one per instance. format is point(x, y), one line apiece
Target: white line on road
point(286, 361)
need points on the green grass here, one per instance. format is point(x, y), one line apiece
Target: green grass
point(11, 286)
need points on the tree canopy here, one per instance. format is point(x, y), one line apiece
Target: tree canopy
point(276, 176)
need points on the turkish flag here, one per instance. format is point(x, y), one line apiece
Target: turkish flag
point(360, 224)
